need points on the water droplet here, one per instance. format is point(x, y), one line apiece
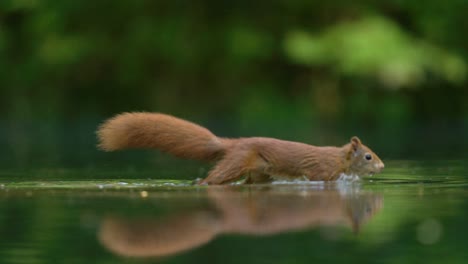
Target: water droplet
point(429, 231)
point(144, 194)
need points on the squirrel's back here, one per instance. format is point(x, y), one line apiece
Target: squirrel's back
point(169, 134)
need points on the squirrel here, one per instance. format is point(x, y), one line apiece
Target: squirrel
point(259, 159)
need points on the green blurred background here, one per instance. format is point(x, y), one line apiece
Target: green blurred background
point(394, 73)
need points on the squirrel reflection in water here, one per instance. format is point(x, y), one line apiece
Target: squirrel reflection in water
point(238, 210)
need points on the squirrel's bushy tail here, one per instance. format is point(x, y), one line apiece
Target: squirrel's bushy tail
point(163, 132)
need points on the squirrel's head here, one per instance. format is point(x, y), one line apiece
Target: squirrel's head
point(362, 160)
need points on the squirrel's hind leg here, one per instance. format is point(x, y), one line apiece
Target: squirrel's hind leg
point(257, 177)
point(224, 172)
point(233, 166)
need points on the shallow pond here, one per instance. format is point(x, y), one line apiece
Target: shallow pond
point(414, 212)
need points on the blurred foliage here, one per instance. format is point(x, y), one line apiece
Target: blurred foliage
point(62, 60)
point(308, 67)
point(376, 47)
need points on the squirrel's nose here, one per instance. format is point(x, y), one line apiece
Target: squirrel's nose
point(379, 166)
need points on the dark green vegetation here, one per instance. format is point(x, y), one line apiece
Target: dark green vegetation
point(394, 73)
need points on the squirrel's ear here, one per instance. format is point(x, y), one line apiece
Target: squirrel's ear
point(355, 143)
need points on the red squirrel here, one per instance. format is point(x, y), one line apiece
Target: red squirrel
point(259, 159)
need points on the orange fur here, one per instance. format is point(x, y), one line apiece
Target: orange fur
point(259, 159)
point(158, 131)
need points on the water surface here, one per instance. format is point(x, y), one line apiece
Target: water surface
point(414, 212)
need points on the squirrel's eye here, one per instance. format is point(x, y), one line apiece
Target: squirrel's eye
point(368, 156)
